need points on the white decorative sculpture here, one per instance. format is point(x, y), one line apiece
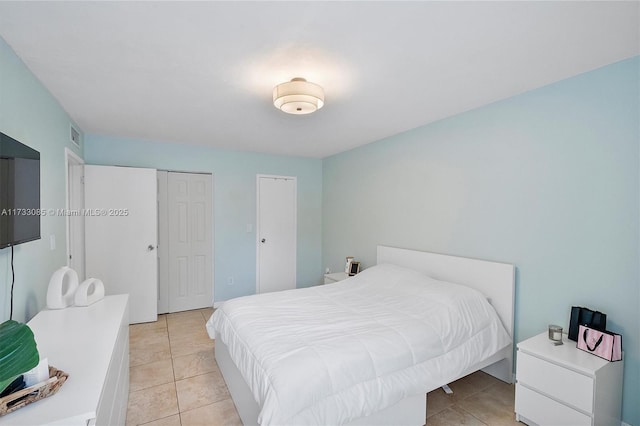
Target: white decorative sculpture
point(89, 292)
point(62, 288)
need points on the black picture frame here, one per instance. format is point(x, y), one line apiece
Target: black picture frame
point(354, 268)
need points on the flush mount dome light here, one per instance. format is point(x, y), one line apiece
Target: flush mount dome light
point(298, 96)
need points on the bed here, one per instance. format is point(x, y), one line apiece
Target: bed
point(366, 350)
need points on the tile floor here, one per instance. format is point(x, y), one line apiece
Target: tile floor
point(175, 381)
point(174, 378)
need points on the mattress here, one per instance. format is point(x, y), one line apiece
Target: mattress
point(333, 353)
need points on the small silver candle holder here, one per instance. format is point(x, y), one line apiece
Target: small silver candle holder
point(555, 334)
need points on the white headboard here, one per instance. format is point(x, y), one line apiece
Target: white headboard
point(493, 279)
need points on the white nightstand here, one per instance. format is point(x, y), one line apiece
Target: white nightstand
point(335, 277)
point(562, 385)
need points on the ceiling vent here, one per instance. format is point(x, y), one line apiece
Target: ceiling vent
point(75, 136)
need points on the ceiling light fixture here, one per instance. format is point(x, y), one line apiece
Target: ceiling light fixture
point(298, 96)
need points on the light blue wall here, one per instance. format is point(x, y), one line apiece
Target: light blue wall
point(548, 181)
point(29, 114)
point(234, 175)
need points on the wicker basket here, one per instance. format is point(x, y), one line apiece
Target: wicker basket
point(33, 393)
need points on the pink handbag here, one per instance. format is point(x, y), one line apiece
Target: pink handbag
point(604, 344)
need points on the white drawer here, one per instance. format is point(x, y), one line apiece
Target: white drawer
point(545, 411)
point(560, 383)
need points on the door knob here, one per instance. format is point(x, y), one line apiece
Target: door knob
point(263, 240)
point(151, 247)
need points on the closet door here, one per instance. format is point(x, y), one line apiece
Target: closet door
point(190, 244)
point(122, 235)
point(277, 235)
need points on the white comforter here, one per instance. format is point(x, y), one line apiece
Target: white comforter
point(329, 354)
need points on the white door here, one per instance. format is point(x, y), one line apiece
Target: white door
point(276, 232)
point(121, 235)
point(189, 246)
point(75, 219)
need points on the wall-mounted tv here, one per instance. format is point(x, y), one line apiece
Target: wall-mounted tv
point(19, 192)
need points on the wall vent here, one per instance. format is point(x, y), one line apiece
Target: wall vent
point(75, 136)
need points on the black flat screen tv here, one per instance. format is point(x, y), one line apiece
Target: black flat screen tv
point(19, 192)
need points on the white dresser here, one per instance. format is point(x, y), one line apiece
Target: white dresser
point(562, 385)
point(91, 344)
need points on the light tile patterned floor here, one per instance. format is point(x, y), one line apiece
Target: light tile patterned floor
point(175, 381)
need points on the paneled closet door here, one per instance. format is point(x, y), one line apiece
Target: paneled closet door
point(122, 235)
point(190, 245)
point(277, 233)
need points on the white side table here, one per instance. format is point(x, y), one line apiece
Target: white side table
point(563, 385)
point(335, 277)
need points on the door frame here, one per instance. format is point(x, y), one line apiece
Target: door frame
point(71, 158)
point(295, 224)
point(163, 243)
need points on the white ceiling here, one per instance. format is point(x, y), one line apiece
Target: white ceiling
point(203, 72)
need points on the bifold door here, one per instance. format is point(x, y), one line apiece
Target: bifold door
point(186, 232)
